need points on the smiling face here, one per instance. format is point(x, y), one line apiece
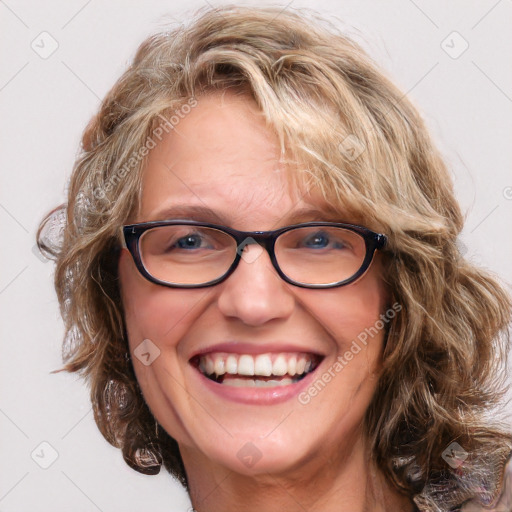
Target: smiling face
point(221, 165)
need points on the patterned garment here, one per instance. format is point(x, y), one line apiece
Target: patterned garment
point(457, 494)
point(504, 503)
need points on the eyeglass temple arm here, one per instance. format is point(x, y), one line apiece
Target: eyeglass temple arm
point(123, 240)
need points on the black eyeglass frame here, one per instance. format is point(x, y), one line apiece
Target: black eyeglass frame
point(267, 239)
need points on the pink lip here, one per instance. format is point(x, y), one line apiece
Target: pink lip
point(258, 396)
point(237, 347)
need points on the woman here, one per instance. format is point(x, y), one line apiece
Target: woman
point(260, 280)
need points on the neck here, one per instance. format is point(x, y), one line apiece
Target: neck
point(347, 481)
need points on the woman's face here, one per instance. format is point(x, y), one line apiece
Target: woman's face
point(221, 165)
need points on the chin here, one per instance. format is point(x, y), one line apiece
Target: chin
point(259, 457)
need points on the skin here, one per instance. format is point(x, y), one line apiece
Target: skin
point(314, 456)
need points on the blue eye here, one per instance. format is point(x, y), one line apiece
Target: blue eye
point(317, 240)
point(321, 240)
point(189, 242)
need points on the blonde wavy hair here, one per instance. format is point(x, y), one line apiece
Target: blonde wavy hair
point(445, 357)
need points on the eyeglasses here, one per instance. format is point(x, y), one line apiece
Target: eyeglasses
point(190, 254)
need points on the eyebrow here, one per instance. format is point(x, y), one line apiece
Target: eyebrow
point(188, 212)
point(205, 214)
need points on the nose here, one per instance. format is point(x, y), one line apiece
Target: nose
point(254, 293)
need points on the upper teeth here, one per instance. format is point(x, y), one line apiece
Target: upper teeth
point(264, 365)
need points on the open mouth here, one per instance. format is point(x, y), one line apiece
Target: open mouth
point(262, 370)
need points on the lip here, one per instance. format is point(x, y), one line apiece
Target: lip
point(238, 347)
point(258, 396)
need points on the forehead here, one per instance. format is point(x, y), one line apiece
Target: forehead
point(223, 157)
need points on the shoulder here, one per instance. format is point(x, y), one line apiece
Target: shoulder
point(503, 503)
point(454, 495)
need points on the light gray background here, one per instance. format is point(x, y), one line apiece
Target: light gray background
point(46, 102)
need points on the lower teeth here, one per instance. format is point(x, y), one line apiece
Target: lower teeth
point(257, 382)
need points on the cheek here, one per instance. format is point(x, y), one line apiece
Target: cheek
point(348, 312)
point(155, 312)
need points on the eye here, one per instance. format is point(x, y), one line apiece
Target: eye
point(319, 240)
point(322, 240)
point(191, 241)
point(180, 241)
